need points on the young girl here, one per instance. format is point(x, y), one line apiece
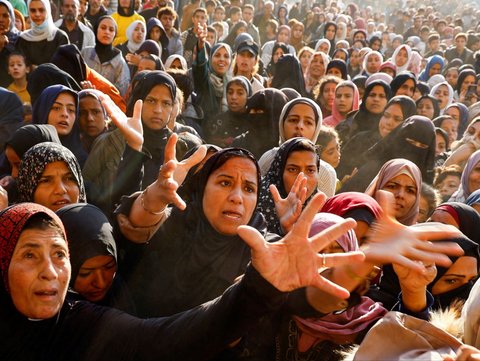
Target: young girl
point(18, 70)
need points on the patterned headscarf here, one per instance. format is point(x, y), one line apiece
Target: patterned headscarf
point(33, 165)
point(13, 220)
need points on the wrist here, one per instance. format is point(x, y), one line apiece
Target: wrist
point(150, 206)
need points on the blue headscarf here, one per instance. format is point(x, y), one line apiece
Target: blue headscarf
point(40, 113)
point(436, 59)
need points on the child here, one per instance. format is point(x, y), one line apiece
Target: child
point(18, 70)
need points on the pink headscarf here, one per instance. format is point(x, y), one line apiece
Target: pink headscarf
point(336, 117)
point(342, 328)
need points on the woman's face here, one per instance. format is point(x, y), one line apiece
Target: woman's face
point(442, 96)
point(39, 273)
point(330, 32)
point(407, 88)
point(376, 100)
point(355, 58)
point(440, 145)
point(401, 58)
point(230, 195)
point(155, 33)
point(448, 186)
point(236, 98)
point(324, 48)
point(5, 20)
point(454, 112)
point(474, 178)
point(138, 33)
point(106, 31)
point(373, 63)
point(331, 153)
point(57, 187)
point(469, 80)
point(13, 159)
point(95, 277)
point(146, 64)
point(444, 217)
point(305, 59)
point(392, 118)
point(300, 122)
point(283, 36)
point(344, 99)
point(450, 126)
point(335, 72)
point(423, 208)
point(463, 270)
point(317, 66)
point(176, 64)
point(328, 95)
point(92, 117)
point(473, 131)
point(301, 161)
point(425, 108)
point(37, 12)
point(62, 114)
point(277, 55)
point(340, 55)
point(404, 190)
point(435, 69)
point(452, 77)
point(221, 61)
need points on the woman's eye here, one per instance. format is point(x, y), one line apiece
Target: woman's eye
point(83, 274)
point(451, 281)
point(61, 254)
point(249, 189)
point(225, 183)
point(28, 255)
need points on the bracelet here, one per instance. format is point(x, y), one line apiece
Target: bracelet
point(145, 208)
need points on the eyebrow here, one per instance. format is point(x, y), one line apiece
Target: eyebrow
point(94, 268)
point(57, 102)
point(455, 275)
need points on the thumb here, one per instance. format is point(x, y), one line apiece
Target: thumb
point(252, 238)
point(275, 194)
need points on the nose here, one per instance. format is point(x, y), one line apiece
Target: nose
point(99, 281)
point(300, 124)
point(48, 271)
point(60, 187)
point(236, 195)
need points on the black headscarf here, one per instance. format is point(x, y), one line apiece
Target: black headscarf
point(151, 23)
point(29, 135)
point(48, 74)
point(401, 78)
point(69, 59)
point(288, 74)
point(332, 41)
point(274, 176)
point(11, 114)
point(40, 113)
point(434, 101)
point(468, 220)
point(340, 65)
point(461, 78)
point(408, 106)
point(271, 66)
point(106, 52)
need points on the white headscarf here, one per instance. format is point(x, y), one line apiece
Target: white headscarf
point(365, 60)
point(409, 57)
point(320, 42)
point(46, 30)
point(131, 45)
point(450, 94)
point(172, 58)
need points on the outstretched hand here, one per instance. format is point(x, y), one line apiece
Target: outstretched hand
point(392, 242)
point(131, 128)
point(289, 208)
point(294, 262)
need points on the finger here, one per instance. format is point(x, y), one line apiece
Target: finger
point(298, 182)
point(303, 194)
point(338, 259)
point(178, 202)
point(196, 157)
point(170, 148)
point(275, 193)
point(253, 239)
point(302, 226)
point(327, 236)
point(330, 287)
point(167, 170)
point(433, 230)
point(446, 248)
point(137, 109)
point(386, 201)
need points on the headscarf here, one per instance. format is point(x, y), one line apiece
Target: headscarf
point(463, 121)
point(401, 78)
point(131, 45)
point(473, 198)
point(379, 76)
point(219, 82)
point(274, 176)
point(45, 31)
point(408, 106)
point(388, 65)
point(332, 42)
point(436, 107)
point(461, 78)
point(320, 42)
point(232, 34)
point(464, 191)
point(288, 107)
point(359, 206)
point(450, 94)
point(409, 57)
point(174, 57)
point(105, 52)
point(336, 117)
point(151, 47)
point(69, 59)
point(365, 60)
point(46, 75)
point(435, 79)
point(415, 63)
point(89, 234)
point(13, 220)
point(121, 12)
point(41, 111)
point(433, 60)
point(340, 328)
point(163, 41)
point(340, 65)
point(243, 82)
point(31, 134)
point(309, 81)
point(34, 162)
point(12, 33)
point(289, 64)
point(391, 169)
point(11, 108)
point(467, 218)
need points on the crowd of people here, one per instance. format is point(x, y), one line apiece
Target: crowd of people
point(239, 180)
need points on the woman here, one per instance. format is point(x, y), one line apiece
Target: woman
point(176, 62)
point(443, 92)
point(278, 51)
point(329, 33)
point(346, 100)
point(404, 84)
point(316, 69)
point(93, 256)
point(39, 43)
point(427, 106)
point(324, 93)
point(371, 63)
point(449, 125)
point(104, 57)
point(289, 64)
point(459, 112)
point(136, 36)
point(466, 78)
point(374, 100)
point(470, 180)
point(338, 68)
point(282, 36)
point(467, 145)
point(401, 57)
point(123, 17)
point(11, 115)
point(50, 175)
point(58, 106)
point(396, 111)
point(304, 56)
point(434, 66)
point(12, 34)
point(295, 156)
point(93, 119)
point(63, 328)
